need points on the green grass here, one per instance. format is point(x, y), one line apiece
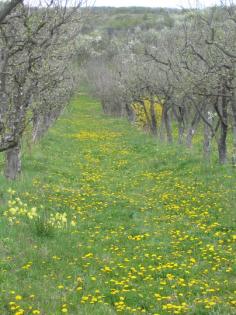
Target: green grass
point(149, 228)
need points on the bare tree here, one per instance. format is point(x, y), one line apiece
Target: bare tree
point(190, 68)
point(29, 36)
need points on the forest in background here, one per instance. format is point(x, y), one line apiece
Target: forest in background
point(177, 64)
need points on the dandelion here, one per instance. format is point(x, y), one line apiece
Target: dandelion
point(64, 310)
point(18, 297)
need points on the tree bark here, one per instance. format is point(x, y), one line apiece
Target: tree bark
point(162, 127)
point(233, 106)
point(149, 122)
point(41, 124)
point(207, 139)
point(180, 133)
point(130, 113)
point(179, 113)
point(104, 107)
point(153, 119)
point(222, 145)
point(234, 144)
point(192, 129)
point(167, 121)
point(13, 163)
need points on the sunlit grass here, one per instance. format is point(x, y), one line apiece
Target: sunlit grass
point(124, 225)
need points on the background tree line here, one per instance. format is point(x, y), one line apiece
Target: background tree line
point(188, 66)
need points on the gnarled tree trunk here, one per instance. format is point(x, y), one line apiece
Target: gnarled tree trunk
point(13, 163)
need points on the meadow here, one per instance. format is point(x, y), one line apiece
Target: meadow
point(106, 220)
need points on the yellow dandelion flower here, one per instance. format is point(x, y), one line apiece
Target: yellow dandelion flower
point(18, 297)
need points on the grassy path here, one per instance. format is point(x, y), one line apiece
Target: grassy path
point(106, 221)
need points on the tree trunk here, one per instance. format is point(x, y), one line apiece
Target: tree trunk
point(130, 113)
point(162, 127)
point(149, 122)
point(233, 106)
point(179, 113)
point(168, 126)
point(41, 124)
point(222, 145)
point(13, 163)
point(207, 136)
point(153, 119)
point(207, 142)
point(104, 107)
point(234, 144)
point(192, 129)
point(36, 126)
point(180, 133)
point(189, 139)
